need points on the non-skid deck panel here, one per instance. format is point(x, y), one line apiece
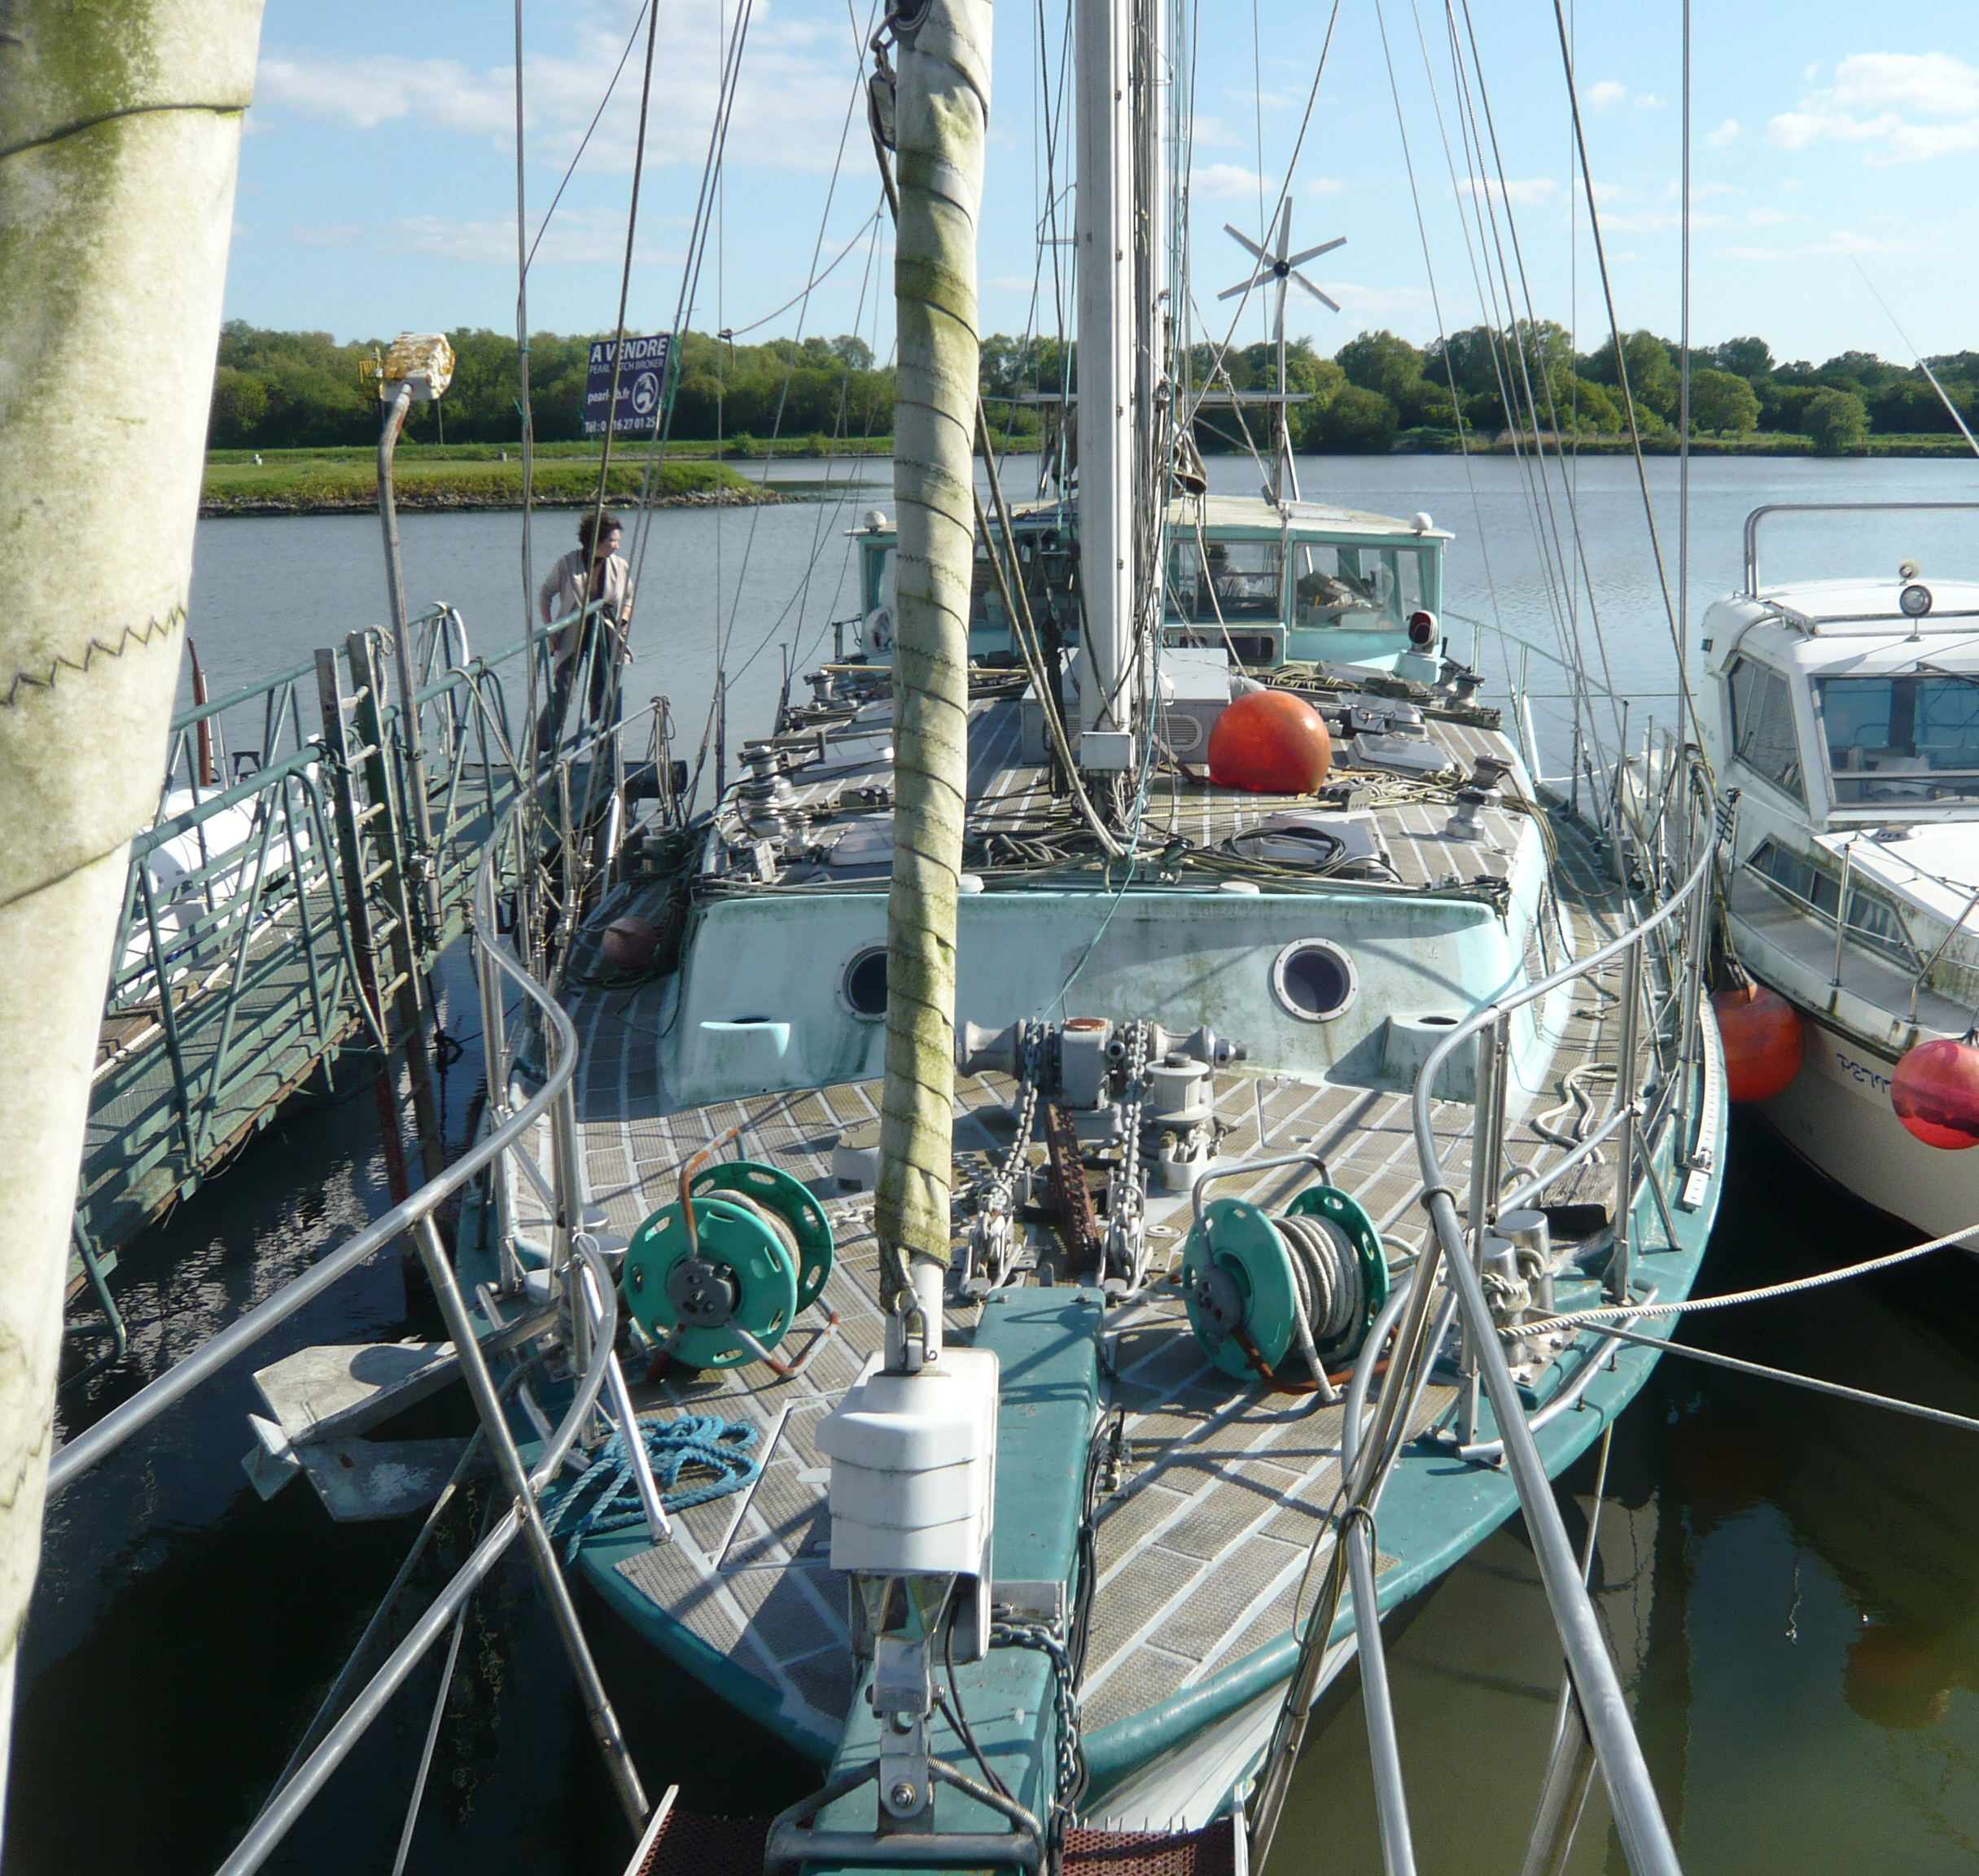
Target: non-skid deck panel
point(1003, 791)
point(1203, 1551)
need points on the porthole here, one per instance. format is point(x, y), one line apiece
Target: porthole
point(1314, 980)
point(862, 985)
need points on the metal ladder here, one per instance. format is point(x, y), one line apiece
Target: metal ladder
point(378, 898)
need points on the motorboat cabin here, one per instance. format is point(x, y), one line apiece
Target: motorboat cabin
point(1846, 715)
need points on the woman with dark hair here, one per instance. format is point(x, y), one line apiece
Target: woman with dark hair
point(591, 577)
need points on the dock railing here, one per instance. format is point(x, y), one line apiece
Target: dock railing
point(1666, 1094)
point(581, 1289)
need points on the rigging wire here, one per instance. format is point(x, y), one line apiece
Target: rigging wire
point(1443, 333)
point(632, 39)
point(1688, 702)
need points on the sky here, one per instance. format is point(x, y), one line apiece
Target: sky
point(1830, 141)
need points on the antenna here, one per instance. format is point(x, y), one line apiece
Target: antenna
point(1280, 270)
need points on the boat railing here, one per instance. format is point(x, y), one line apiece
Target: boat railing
point(581, 1289)
point(1759, 514)
point(307, 863)
point(1667, 1088)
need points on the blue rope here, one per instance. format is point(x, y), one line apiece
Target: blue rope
point(610, 1496)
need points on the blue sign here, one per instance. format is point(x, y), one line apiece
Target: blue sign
point(642, 377)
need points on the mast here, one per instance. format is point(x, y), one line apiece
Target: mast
point(1107, 270)
point(119, 134)
point(941, 112)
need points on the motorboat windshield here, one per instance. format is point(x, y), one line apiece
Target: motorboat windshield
point(1893, 738)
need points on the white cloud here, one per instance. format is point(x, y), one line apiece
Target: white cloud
point(579, 236)
point(1528, 191)
point(788, 112)
point(337, 235)
point(1725, 134)
point(1874, 99)
point(1220, 179)
point(1648, 101)
point(1319, 186)
point(362, 94)
point(1606, 95)
point(1752, 253)
point(1841, 242)
point(1378, 302)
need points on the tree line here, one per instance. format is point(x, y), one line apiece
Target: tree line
point(303, 390)
point(293, 390)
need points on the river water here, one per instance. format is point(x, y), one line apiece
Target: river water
point(1791, 1584)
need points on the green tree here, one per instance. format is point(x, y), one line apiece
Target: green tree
point(240, 403)
point(1838, 421)
point(1380, 361)
point(1652, 371)
point(1357, 419)
point(1721, 401)
point(1750, 358)
point(1596, 410)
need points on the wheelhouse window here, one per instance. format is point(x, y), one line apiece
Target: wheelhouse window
point(1762, 732)
point(1901, 739)
point(1368, 588)
point(1230, 580)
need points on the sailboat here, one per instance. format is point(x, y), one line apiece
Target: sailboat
point(1091, 1190)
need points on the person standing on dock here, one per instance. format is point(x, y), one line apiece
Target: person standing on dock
point(591, 576)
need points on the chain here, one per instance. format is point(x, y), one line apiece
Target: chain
point(1071, 1770)
point(991, 1238)
point(1125, 1239)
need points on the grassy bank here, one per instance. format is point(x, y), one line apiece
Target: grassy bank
point(1753, 443)
point(462, 477)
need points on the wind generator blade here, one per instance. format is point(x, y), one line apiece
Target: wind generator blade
point(1278, 324)
point(1285, 228)
point(1245, 285)
point(1245, 242)
point(1327, 298)
point(1314, 253)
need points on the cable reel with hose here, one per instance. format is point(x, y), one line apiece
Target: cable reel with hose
point(1250, 1280)
point(718, 1278)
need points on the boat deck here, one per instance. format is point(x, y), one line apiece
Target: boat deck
point(1203, 1545)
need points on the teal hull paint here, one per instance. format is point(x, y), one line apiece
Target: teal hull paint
point(1437, 1508)
point(1047, 1343)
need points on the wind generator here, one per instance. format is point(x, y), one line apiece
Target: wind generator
point(1280, 270)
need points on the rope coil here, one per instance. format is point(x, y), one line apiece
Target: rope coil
point(606, 1499)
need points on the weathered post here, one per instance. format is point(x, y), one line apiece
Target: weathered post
point(119, 130)
point(941, 114)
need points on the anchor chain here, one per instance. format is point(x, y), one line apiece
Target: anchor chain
point(1126, 1197)
point(1070, 1780)
point(992, 1237)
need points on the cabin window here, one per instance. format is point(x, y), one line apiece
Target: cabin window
point(1903, 738)
point(1225, 580)
point(878, 571)
point(987, 612)
point(1369, 589)
point(1874, 922)
point(1763, 734)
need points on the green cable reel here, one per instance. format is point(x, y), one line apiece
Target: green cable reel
point(1239, 1284)
point(757, 1258)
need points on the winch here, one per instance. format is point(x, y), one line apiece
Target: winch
point(718, 1278)
point(1255, 1286)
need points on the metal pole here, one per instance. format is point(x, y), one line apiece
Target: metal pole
point(515, 1476)
point(1390, 1798)
point(1638, 1817)
point(419, 863)
point(1617, 1288)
